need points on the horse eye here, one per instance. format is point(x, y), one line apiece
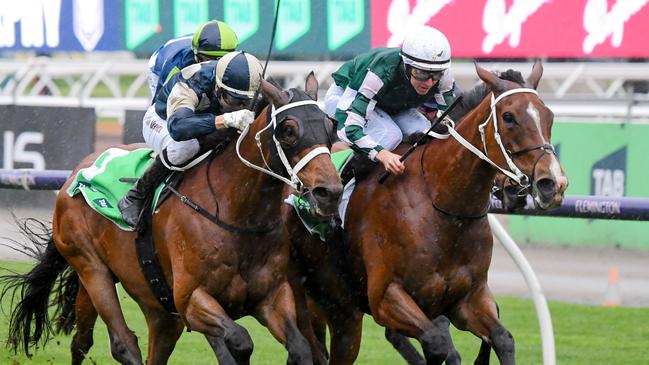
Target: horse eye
point(508, 118)
point(288, 134)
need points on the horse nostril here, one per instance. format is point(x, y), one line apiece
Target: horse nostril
point(323, 194)
point(546, 188)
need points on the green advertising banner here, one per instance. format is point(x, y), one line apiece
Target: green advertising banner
point(309, 29)
point(599, 159)
point(189, 15)
point(141, 21)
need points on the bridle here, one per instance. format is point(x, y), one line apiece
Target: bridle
point(514, 173)
point(292, 171)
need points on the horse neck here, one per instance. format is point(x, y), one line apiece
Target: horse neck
point(252, 196)
point(460, 182)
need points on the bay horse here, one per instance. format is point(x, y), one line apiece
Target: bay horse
point(217, 273)
point(419, 245)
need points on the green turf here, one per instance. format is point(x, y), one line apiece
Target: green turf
point(583, 334)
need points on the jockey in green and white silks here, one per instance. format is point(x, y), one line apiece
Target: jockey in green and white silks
point(201, 100)
point(375, 95)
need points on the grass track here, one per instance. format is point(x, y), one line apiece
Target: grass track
point(584, 335)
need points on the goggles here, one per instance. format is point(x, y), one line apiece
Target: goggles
point(234, 101)
point(423, 75)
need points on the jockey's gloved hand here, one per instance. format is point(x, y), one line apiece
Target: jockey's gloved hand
point(239, 119)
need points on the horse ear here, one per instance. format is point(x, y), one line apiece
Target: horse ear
point(535, 76)
point(311, 86)
point(489, 78)
point(275, 95)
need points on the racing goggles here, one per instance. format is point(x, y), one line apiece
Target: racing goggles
point(234, 101)
point(423, 75)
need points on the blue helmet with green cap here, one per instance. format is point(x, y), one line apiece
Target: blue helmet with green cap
point(214, 39)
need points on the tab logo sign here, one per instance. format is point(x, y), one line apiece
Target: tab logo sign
point(608, 175)
point(242, 16)
point(294, 21)
point(345, 20)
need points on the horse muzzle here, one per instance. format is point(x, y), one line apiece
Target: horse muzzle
point(548, 191)
point(324, 200)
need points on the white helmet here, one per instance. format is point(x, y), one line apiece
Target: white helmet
point(426, 48)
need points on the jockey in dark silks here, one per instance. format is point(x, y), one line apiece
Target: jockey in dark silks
point(376, 95)
point(201, 99)
point(211, 41)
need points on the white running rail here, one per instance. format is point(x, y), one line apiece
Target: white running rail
point(115, 83)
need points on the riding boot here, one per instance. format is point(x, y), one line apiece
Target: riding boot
point(131, 205)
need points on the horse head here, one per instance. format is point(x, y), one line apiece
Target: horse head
point(303, 133)
point(521, 127)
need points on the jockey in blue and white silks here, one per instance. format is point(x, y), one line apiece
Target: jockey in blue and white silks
point(199, 100)
point(211, 41)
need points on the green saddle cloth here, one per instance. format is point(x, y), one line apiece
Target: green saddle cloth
point(302, 207)
point(100, 185)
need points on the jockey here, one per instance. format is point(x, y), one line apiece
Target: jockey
point(211, 41)
point(376, 95)
point(201, 99)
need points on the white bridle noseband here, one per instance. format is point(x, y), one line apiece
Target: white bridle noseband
point(514, 172)
point(294, 181)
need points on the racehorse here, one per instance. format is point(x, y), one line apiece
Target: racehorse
point(217, 272)
point(419, 245)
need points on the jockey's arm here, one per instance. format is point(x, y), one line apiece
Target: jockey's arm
point(183, 122)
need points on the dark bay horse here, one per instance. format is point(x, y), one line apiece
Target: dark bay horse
point(217, 274)
point(419, 246)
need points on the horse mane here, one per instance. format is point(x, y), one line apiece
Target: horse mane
point(513, 76)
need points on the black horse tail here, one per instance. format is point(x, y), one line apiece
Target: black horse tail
point(30, 293)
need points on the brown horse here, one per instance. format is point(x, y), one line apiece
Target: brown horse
point(217, 273)
point(419, 246)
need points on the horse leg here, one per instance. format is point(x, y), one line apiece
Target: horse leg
point(453, 357)
point(230, 342)
point(483, 354)
point(278, 313)
point(485, 349)
point(164, 332)
point(311, 320)
point(410, 353)
point(479, 314)
point(395, 309)
point(403, 346)
point(346, 332)
point(85, 319)
point(101, 289)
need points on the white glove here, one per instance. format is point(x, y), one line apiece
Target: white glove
point(239, 119)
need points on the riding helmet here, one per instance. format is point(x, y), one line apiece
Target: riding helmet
point(239, 73)
point(426, 48)
point(214, 39)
